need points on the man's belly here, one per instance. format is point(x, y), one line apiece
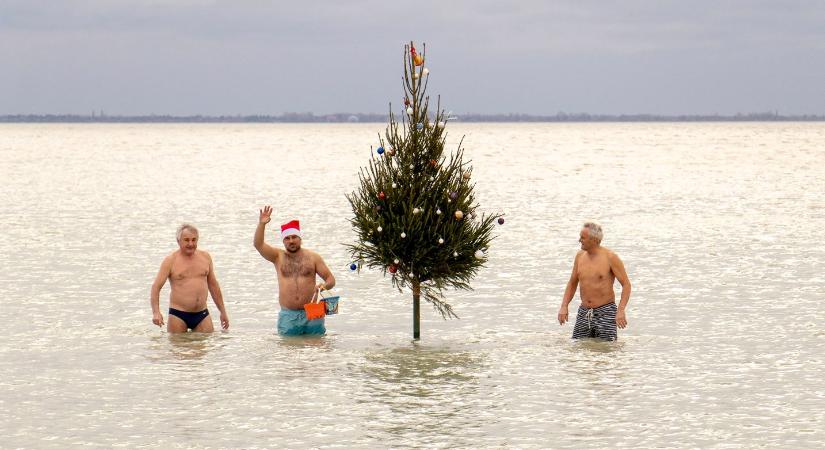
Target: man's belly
point(188, 298)
point(294, 294)
point(293, 300)
point(594, 297)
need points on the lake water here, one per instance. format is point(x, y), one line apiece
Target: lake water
point(719, 226)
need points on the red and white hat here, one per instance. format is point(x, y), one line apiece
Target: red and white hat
point(291, 228)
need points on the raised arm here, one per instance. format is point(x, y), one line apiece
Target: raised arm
point(215, 292)
point(617, 266)
point(323, 271)
point(268, 252)
point(569, 292)
point(157, 285)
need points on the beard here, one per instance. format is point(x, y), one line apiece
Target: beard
point(293, 248)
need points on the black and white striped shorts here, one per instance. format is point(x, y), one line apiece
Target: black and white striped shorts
point(596, 322)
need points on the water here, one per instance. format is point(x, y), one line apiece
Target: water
point(719, 226)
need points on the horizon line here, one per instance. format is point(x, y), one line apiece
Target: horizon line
point(347, 117)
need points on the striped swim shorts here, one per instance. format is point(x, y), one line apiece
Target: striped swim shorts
point(596, 323)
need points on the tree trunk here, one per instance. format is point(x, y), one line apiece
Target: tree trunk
point(416, 310)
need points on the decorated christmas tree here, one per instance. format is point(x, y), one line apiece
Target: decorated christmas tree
point(415, 214)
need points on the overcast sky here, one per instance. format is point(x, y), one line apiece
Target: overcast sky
point(186, 57)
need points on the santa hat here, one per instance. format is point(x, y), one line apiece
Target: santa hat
point(291, 228)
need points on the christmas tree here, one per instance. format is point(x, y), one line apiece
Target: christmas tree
point(415, 213)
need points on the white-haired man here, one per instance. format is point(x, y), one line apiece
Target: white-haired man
point(595, 269)
point(297, 269)
point(191, 275)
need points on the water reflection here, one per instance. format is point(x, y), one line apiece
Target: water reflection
point(181, 346)
point(292, 342)
point(424, 388)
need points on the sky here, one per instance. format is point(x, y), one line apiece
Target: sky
point(185, 57)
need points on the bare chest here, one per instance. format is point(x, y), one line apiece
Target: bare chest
point(189, 270)
point(296, 267)
point(595, 270)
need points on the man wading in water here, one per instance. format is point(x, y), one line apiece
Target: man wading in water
point(297, 268)
point(596, 268)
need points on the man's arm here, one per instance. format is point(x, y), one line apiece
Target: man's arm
point(157, 285)
point(323, 271)
point(617, 266)
point(215, 292)
point(570, 291)
point(268, 252)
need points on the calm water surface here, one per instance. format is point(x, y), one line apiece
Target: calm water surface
point(719, 226)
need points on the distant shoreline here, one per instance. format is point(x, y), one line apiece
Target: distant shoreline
point(383, 118)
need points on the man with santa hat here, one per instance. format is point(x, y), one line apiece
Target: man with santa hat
point(297, 269)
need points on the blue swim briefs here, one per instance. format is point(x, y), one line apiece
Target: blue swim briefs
point(293, 322)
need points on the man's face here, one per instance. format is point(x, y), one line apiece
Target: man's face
point(585, 240)
point(188, 242)
point(292, 243)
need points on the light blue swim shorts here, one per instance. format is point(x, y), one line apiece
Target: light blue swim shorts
point(293, 322)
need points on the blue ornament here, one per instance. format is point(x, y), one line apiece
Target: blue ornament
point(353, 266)
point(380, 150)
point(420, 126)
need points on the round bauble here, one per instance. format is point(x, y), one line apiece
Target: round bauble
point(392, 268)
point(403, 235)
point(459, 215)
point(418, 59)
point(379, 229)
point(501, 220)
point(454, 195)
point(396, 260)
point(440, 124)
point(440, 240)
point(479, 254)
point(353, 266)
point(380, 150)
point(425, 72)
point(409, 110)
point(394, 185)
point(382, 195)
point(438, 211)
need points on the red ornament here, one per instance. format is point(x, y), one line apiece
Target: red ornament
point(433, 162)
point(406, 101)
point(381, 195)
point(393, 268)
point(412, 50)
